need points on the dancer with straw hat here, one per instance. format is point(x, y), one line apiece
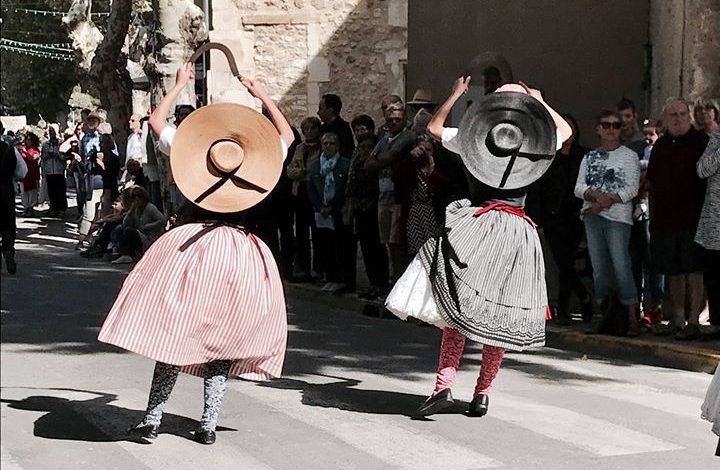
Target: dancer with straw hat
point(483, 277)
point(206, 299)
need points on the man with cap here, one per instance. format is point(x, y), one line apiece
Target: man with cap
point(206, 298)
point(483, 277)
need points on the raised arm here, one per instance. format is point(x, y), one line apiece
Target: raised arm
point(565, 131)
point(436, 126)
point(158, 118)
point(276, 116)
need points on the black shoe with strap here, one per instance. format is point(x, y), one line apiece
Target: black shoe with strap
point(436, 403)
point(479, 406)
point(148, 431)
point(205, 436)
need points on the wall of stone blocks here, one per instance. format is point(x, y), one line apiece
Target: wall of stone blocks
point(685, 38)
point(302, 49)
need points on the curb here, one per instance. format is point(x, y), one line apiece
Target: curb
point(635, 350)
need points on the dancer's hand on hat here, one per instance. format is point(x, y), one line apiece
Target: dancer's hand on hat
point(535, 93)
point(254, 87)
point(461, 85)
point(185, 74)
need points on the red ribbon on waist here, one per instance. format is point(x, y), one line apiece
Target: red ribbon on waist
point(500, 206)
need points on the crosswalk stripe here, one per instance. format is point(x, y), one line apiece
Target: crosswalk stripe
point(648, 397)
point(388, 439)
point(7, 462)
point(592, 434)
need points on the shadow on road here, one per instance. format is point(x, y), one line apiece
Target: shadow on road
point(343, 395)
point(68, 419)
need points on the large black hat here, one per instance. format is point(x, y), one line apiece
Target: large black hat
point(507, 139)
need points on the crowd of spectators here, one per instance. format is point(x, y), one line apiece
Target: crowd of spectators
point(644, 201)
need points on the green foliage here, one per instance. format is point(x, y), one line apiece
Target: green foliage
point(34, 85)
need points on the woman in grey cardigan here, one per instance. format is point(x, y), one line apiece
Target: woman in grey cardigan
point(708, 231)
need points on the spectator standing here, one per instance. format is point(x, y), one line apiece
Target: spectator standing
point(272, 218)
point(426, 185)
point(306, 153)
point(608, 180)
point(108, 162)
point(708, 231)
point(630, 135)
point(362, 204)
point(676, 198)
point(89, 147)
point(30, 152)
point(329, 113)
point(53, 166)
point(12, 167)
point(706, 114)
point(362, 125)
point(135, 143)
point(648, 283)
point(389, 154)
point(386, 101)
point(326, 190)
point(552, 204)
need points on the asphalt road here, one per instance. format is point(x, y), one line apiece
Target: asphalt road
point(349, 388)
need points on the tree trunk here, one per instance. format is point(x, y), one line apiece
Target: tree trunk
point(109, 72)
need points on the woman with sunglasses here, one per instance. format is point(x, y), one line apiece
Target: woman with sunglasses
point(607, 182)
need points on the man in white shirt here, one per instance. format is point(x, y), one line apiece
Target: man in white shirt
point(135, 147)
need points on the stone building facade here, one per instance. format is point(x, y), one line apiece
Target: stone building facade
point(685, 35)
point(302, 49)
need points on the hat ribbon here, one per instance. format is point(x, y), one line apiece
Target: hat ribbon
point(224, 177)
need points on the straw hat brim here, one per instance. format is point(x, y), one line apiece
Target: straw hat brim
point(535, 154)
point(192, 169)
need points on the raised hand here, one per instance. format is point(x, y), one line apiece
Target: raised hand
point(461, 85)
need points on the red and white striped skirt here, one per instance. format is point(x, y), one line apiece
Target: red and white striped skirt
point(221, 298)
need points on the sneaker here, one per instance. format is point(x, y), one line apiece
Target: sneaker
point(125, 259)
point(689, 333)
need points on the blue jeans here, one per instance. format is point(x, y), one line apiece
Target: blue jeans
point(609, 247)
point(648, 283)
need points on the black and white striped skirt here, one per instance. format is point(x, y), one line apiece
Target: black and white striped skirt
point(487, 277)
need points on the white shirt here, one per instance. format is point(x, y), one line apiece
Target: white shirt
point(135, 148)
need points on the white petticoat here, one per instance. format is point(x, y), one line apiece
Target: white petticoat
point(711, 406)
point(412, 296)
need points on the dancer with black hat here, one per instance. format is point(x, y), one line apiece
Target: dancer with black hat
point(483, 277)
point(207, 299)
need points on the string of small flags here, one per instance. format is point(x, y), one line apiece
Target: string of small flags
point(36, 53)
point(53, 47)
point(47, 12)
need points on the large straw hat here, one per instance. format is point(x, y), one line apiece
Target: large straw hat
point(507, 139)
point(226, 157)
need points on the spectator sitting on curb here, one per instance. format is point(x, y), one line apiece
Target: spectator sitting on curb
point(142, 225)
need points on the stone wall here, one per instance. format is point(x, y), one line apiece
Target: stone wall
point(302, 49)
point(685, 38)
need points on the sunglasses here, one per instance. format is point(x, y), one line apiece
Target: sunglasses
point(607, 125)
